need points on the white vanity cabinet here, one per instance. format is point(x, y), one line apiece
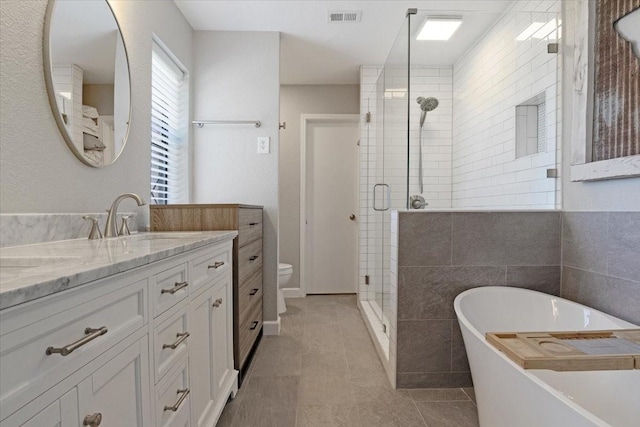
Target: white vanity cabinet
point(138, 348)
point(211, 351)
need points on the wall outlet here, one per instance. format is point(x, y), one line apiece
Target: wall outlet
point(263, 145)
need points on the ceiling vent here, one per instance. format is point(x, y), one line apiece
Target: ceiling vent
point(345, 16)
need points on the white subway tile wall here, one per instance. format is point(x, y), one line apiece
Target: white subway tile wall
point(499, 73)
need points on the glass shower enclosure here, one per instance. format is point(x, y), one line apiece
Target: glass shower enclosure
point(470, 123)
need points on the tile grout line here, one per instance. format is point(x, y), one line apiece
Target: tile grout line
point(415, 405)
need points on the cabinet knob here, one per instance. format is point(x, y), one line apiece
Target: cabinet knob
point(217, 302)
point(92, 420)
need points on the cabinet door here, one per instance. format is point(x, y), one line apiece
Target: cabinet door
point(201, 357)
point(118, 392)
point(61, 413)
point(222, 334)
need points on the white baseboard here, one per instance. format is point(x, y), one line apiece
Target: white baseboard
point(293, 293)
point(271, 327)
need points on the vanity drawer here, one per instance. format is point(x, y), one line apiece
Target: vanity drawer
point(249, 225)
point(42, 354)
point(249, 292)
point(169, 394)
point(170, 341)
point(249, 329)
point(209, 266)
point(249, 260)
point(169, 288)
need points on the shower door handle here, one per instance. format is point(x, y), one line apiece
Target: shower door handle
point(388, 198)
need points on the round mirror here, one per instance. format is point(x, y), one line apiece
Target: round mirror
point(87, 76)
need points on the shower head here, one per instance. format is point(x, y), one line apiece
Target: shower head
point(427, 104)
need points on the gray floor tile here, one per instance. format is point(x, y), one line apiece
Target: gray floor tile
point(323, 370)
point(449, 414)
point(395, 414)
point(321, 315)
point(380, 394)
point(329, 389)
point(469, 391)
point(438, 394)
point(268, 401)
point(314, 300)
point(320, 338)
point(328, 415)
point(278, 356)
point(321, 364)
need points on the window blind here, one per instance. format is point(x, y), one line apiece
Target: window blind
point(169, 125)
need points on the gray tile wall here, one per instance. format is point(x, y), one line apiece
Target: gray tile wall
point(441, 254)
point(601, 261)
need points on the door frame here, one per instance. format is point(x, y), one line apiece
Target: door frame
point(305, 121)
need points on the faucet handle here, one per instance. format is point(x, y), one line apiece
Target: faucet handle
point(124, 228)
point(95, 232)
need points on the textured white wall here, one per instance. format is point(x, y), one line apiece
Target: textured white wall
point(610, 195)
point(294, 101)
point(38, 173)
point(236, 77)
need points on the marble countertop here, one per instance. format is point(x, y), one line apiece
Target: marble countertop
point(34, 271)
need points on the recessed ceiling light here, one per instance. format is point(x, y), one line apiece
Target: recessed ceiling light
point(439, 27)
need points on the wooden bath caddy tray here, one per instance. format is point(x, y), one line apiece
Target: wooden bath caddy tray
point(571, 351)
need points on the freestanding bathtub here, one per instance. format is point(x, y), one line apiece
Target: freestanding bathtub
point(509, 396)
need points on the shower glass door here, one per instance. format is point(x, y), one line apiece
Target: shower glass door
point(387, 162)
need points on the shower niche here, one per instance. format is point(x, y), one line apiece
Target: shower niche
point(441, 133)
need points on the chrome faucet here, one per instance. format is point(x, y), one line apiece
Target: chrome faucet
point(110, 228)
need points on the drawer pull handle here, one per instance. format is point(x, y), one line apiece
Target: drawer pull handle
point(254, 325)
point(217, 302)
point(253, 258)
point(217, 264)
point(181, 337)
point(175, 407)
point(176, 288)
point(254, 291)
point(90, 335)
point(92, 420)
point(254, 223)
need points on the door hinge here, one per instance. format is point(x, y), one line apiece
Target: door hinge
point(368, 117)
point(384, 328)
point(366, 279)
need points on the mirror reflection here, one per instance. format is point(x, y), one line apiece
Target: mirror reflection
point(88, 75)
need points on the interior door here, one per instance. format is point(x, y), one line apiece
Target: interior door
point(331, 258)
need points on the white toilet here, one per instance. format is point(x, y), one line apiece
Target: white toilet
point(284, 276)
